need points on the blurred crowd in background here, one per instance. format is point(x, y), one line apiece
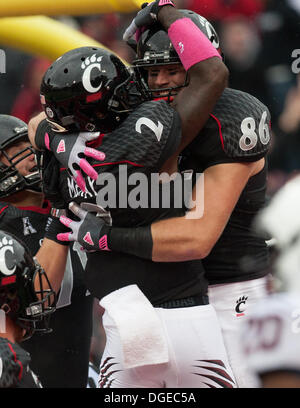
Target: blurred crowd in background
point(260, 40)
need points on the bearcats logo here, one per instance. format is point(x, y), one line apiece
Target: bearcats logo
point(6, 245)
point(240, 306)
point(88, 65)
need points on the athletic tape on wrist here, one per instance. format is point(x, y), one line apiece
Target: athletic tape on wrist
point(133, 241)
point(190, 43)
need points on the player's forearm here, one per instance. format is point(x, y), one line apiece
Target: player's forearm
point(207, 73)
point(172, 240)
point(176, 240)
point(167, 15)
point(53, 257)
point(194, 103)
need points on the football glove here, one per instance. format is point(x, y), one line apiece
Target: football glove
point(70, 150)
point(91, 231)
point(145, 18)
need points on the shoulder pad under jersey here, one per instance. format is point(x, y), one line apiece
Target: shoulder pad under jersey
point(244, 124)
point(148, 137)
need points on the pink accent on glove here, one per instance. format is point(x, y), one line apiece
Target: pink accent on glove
point(190, 43)
point(80, 180)
point(103, 243)
point(65, 236)
point(88, 169)
point(139, 33)
point(61, 148)
point(47, 141)
point(88, 239)
point(165, 3)
point(95, 154)
point(65, 221)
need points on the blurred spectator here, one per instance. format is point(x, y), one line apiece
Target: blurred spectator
point(286, 153)
point(241, 45)
point(102, 28)
point(280, 33)
point(218, 10)
point(27, 102)
point(289, 120)
point(181, 4)
point(123, 50)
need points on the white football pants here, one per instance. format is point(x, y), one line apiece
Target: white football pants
point(197, 355)
point(232, 302)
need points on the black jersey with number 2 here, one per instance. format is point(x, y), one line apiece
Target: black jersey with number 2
point(139, 146)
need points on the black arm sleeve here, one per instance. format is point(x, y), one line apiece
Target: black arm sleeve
point(42, 128)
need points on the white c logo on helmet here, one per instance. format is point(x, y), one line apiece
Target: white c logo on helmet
point(88, 65)
point(6, 245)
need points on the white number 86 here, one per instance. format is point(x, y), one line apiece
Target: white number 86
point(249, 138)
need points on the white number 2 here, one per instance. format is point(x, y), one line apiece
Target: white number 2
point(157, 129)
point(249, 138)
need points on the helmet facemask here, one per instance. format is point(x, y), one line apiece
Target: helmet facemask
point(11, 180)
point(154, 48)
point(167, 93)
point(27, 301)
point(36, 315)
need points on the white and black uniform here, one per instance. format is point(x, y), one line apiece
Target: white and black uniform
point(238, 130)
point(142, 143)
point(270, 337)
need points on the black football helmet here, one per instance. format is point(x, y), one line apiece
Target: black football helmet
point(88, 89)
point(13, 131)
point(155, 48)
point(22, 299)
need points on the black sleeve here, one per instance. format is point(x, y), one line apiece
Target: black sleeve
point(43, 127)
point(148, 137)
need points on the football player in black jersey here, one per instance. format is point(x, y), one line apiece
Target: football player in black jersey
point(88, 89)
point(26, 306)
point(231, 152)
point(25, 213)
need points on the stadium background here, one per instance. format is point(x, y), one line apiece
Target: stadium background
point(259, 38)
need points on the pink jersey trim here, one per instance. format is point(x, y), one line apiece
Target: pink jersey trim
point(220, 130)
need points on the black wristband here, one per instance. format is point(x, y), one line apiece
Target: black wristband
point(133, 241)
point(43, 127)
point(56, 227)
